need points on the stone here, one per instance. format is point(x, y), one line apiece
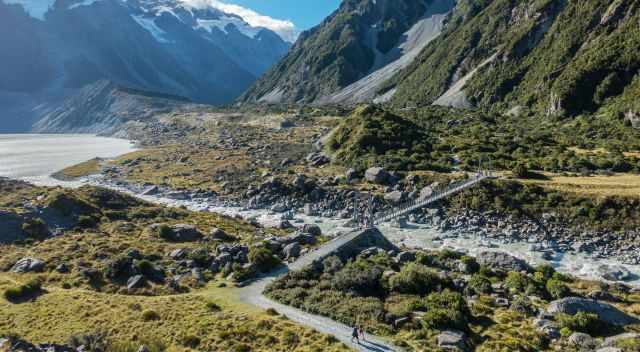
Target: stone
point(502, 261)
point(285, 224)
point(143, 348)
point(351, 175)
point(224, 258)
point(185, 233)
point(292, 250)
point(547, 328)
point(399, 223)
point(62, 268)
point(615, 273)
point(220, 235)
point(317, 159)
point(602, 296)
point(150, 191)
point(309, 210)
point(609, 349)
point(427, 192)
point(452, 340)
point(605, 312)
point(177, 254)
point(613, 340)
point(28, 265)
point(312, 229)
point(197, 274)
point(582, 341)
point(377, 175)
point(395, 197)
point(404, 257)
point(135, 282)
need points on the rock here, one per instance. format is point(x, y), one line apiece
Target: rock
point(452, 340)
point(395, 197)
point(502, 261)
point(613, 340)
point(185, 233)
point(150, 191)
point(351, 175)
point(28, 265)
point(197, 274)
point(309, 210)
point(547, 328)
point(224, 259)
point(400, 322)
point(135, 282)
point(292, 250)
point(427, 192)
point(143, 348)
point(317, 159)
point(312, 229)
point(285, 224)
point(62, 268)
point(602, 296)
point(615, 273)
point(582, 341)
point(177, 254)
point(404, 257)
point(609, 349)
point(286, 123)
point(400, 223)
point(377, 175)
point(502, 302)
point(220, 235)
point(605, 312)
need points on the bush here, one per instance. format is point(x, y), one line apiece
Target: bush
point(414, 279)
point(150, 315)
point(479, 284)
point(212, 306)
point(364, 280)
point(520, 171)
point(87, 222)
point(446, 310)
point(471, 264)
point(516, 282)
point(273, 312)
point(165, 232)
point(587, 323)
point(332, 265)
point(523, 305)
point(557, 289)
point(191, 341)
point(263, 259)
point(290, 338)
point(23, 292)
point(93, 341)
point(35, 228)
point(546, 270)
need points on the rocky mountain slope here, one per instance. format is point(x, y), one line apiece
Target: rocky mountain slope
point(548, 57)
point(356, 41)
point(52, 49)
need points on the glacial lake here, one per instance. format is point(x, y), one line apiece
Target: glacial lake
point(34, 157)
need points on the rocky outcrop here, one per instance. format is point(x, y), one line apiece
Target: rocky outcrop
point(377, 175)
point(502, 261)
point(605, 312)
point(28, 265)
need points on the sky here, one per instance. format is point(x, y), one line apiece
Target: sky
point(286, 17)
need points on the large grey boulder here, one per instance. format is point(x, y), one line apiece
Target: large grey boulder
point(502, 261)
point(135, 282)
point(28, 265)
point(605, 312)
point(452, 340)
point(615, 273)
point(377, 175)
point(185, 233)
point(312, 229)
point(547, 328)
point(428, 191)
point(220, 235)
point(292, 250)
point(395, 197)
point(582, 341)
point(613, 340)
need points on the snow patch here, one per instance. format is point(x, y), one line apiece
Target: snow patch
point(83, 3)
point(35, 8)
point(225, 21)
point(149, 24)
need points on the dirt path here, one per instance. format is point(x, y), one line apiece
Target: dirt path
point(253, 294)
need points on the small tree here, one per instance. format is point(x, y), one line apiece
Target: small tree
point(520, 171)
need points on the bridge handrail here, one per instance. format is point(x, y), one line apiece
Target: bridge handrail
point(436, 195)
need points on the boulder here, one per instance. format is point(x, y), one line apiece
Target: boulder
point(28, 265)
point(220, 235)
point(452, 340)
point(547, 328)
point(312, 229)
point(615, 273)
point(177, 254)
point(502, 261)
point(613, 340)
point(605, 312)
point(351, 175)
point(395, 197)
point(62, 268)
point(309, 210)
point(404, 257)
point(285, 224)
point(135, 282)
point(185, 233)
point(582, 341)
point(292, 250)
point(426, 192)
point(377, 175)
point(317, 159)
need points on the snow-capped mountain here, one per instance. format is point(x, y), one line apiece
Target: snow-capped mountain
point(50, 49)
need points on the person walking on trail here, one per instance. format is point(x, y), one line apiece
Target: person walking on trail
point(361, 333)
point(354, 335)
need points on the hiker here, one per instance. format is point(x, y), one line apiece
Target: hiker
point(361, 333)
point(354, 335)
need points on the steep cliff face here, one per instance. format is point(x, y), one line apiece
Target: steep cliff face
point(361, 37)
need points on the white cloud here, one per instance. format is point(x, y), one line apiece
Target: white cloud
point(286, 29)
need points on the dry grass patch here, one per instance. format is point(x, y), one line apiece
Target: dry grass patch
point(624, 185)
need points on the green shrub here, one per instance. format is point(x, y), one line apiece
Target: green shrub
point(359, 279)
point(414, 278)
point(516, 282)
point(479, 284)
point(273, 312)
point(213, 306)
point(546, 270)
point(23, 292)
point(446, 310)
point(165, 232)
point(36, 229)
point(290, 338)
point(520, 171)
point(87, 222)
point(582, 322)
point(471, 264)
point(557, 289)
point(523, 305)
point(191, 341)
point(263, 259)
point(91, 341)
point(150, 315)
point(332, 265)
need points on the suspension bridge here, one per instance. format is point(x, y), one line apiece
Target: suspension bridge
point(372, 219)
